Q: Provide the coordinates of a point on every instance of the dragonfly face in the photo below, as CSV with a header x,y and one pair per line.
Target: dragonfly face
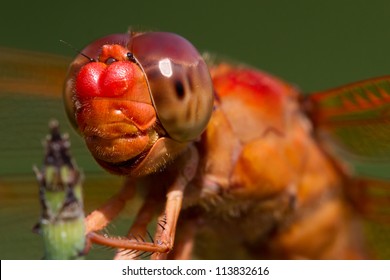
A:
x,y
138,99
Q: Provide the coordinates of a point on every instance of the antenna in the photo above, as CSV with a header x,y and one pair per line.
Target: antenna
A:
x,y
78,51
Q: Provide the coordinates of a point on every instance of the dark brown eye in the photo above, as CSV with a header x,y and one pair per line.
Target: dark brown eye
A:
x,y
179,80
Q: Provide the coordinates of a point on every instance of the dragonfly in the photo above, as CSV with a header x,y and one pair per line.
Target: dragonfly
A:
x,y
230,161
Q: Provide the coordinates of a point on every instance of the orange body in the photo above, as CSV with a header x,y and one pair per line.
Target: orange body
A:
x,y
264,188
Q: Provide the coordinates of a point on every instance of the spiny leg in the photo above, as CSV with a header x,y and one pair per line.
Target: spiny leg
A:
x,y
164,244
184,240
173,206
161,227
166,233
139,227
102,216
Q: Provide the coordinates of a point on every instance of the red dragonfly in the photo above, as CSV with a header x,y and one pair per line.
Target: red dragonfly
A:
x,y
232,162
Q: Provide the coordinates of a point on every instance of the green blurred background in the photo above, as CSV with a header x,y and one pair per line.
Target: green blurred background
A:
x,y
313,44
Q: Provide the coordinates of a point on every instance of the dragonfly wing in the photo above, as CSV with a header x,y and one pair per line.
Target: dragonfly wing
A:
x,y
371,197
32,73
30,95
354,120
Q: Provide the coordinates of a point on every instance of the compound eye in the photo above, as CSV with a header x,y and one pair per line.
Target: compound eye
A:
x,y
179,81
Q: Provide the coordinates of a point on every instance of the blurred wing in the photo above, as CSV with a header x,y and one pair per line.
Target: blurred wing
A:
x,y
355,118
371,197
32,73
353,122
30,95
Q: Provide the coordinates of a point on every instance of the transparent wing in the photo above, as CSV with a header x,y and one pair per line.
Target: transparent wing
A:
x,y
32,73
356,117
30,95
371,197
353,123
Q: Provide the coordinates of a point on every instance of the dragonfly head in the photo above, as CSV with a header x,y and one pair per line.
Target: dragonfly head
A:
x,y
139,100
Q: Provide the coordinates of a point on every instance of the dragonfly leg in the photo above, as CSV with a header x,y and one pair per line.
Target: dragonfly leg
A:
x,y
161,227
184,240
102,216
165,240
165,234
139,227
170,217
